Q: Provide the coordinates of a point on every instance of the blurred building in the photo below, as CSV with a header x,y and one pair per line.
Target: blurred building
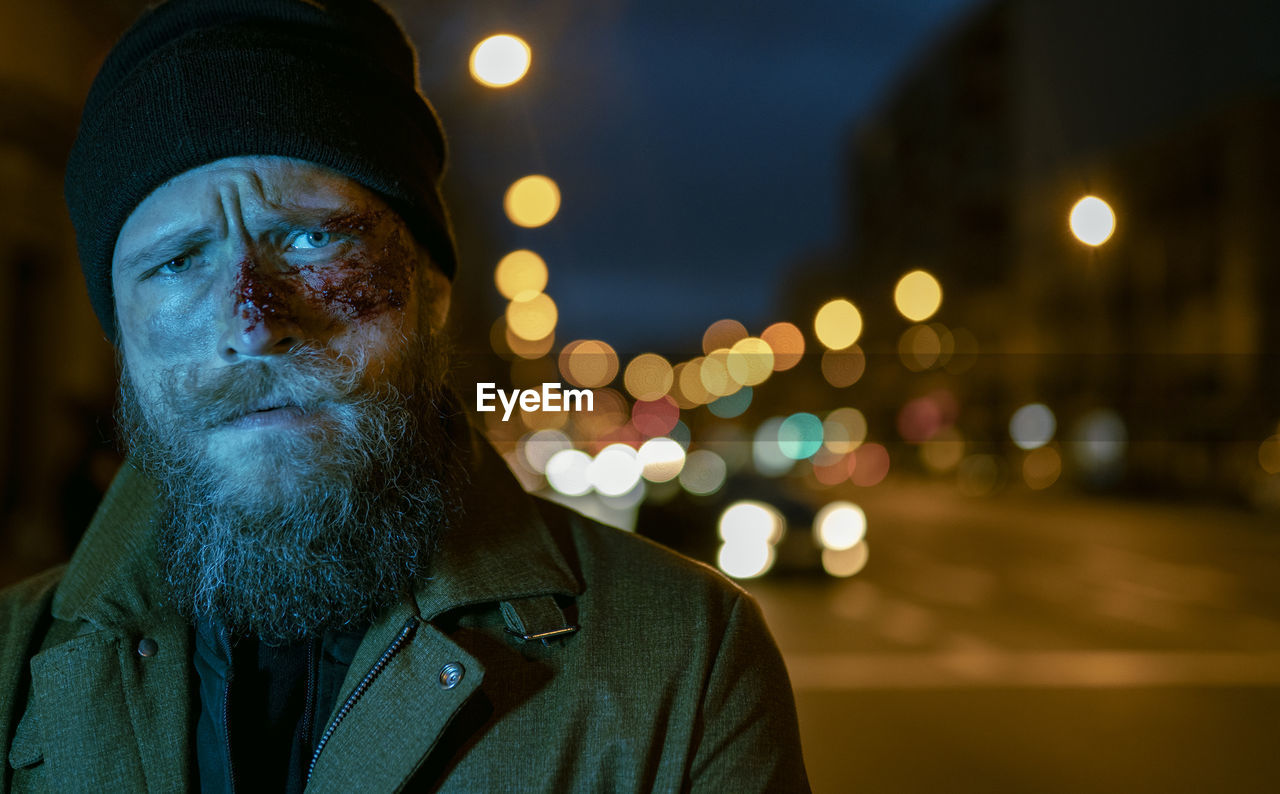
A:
x,y
56,369
1169,112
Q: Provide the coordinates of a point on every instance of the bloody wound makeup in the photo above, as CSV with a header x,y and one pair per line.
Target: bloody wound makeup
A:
x,y
356,284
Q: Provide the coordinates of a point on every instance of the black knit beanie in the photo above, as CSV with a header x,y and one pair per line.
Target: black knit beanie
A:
x,y
333,82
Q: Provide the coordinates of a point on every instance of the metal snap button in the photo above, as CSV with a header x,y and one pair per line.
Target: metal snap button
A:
x,y
147,647
451,675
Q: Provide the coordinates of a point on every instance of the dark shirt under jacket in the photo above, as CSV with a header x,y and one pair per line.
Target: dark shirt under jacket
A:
x,y
277,700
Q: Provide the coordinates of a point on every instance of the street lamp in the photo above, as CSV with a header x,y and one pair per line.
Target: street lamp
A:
x,y
1092,221
500,61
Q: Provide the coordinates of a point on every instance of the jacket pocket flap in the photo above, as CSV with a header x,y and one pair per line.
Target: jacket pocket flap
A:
x,y
28,746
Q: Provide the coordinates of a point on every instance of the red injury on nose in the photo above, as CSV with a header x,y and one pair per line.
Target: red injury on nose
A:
x,y
260,297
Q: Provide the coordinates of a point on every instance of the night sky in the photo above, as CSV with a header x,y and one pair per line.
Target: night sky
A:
x,y
699,147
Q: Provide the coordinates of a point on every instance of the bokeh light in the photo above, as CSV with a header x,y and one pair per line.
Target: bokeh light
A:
x,y
520,272
722,333
688,378
648,377
750,361
655,417
870,465
787,343
532,317
1092,221
714,374
661,459
1041,468
800,436
843,368
1099,440
920,347
944,451
920,420
844,430
918,296
733,405
610,412
536,449
847,562
1032,426
566,472
501,60
839,526
615,470
766,454
588,363
749,521
745,560
532,201
838,324
528,348
703,473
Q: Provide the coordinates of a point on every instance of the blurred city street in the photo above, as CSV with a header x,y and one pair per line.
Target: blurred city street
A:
x,y
1041,643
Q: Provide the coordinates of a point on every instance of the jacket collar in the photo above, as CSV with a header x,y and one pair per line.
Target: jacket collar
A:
x,y
494,547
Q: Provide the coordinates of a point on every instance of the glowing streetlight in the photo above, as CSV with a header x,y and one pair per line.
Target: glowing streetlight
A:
x,y
532,201
500,61
1092,221
918,295
838,324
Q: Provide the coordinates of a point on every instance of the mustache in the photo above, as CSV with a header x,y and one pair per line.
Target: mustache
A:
x,y
307,378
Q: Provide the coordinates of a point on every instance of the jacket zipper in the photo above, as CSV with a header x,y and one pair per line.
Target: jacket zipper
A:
x,y
226,709
341,713
309,712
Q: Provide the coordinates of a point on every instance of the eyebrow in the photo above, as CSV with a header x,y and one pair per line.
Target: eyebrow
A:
x,y
167,246
342,218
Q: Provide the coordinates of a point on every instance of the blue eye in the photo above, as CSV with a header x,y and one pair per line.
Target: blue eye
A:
x,y
176,265
311,240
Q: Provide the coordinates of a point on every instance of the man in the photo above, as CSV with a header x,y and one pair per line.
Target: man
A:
x,y
310,573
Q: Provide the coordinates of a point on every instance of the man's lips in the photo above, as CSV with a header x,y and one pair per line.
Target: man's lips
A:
x,y
277,416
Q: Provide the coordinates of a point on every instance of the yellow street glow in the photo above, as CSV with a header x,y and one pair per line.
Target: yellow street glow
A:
x,y
648,376
589,363
918,295
838,324
750,361
532,201
1092,221
520,272
500,61
534,318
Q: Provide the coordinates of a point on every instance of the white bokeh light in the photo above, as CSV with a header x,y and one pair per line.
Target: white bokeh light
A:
x,y
615,470
567,472
840,526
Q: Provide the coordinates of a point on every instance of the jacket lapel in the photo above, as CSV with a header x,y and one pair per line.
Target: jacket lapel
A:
x,y
107,713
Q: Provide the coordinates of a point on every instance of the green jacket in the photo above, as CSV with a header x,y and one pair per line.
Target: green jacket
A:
x,y
671,681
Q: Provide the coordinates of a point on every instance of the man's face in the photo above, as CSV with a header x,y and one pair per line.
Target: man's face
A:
x,y
249,259
282,373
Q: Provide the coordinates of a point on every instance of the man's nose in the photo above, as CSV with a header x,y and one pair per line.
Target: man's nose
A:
x,y
261,313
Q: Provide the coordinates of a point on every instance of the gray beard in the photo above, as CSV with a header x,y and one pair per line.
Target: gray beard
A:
x,y
301,530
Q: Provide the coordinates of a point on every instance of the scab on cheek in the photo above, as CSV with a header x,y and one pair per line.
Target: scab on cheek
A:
x,y
356,286
359,286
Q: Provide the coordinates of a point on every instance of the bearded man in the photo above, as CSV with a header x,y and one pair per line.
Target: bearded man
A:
x,y
310,573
